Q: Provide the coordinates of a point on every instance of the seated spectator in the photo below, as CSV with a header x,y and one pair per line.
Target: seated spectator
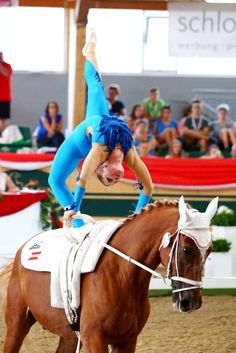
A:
x,y
235,128
141,135
49,132
152,106
223,133
233,151
135,116
196,129
181,122
165,128
213,153
175,149
6,183
145,150
116,107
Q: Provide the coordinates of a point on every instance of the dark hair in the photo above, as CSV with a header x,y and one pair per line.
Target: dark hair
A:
x,y
132,115
196,101
152,90
166,107
186,110
47,106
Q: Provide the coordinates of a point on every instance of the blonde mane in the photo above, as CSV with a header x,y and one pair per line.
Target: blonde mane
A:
x,y
150,206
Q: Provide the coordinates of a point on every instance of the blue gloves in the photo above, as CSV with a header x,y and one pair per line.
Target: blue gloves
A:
x,y
143,201
78,197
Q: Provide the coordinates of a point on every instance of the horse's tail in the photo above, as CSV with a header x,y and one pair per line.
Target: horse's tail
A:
x,y
5,274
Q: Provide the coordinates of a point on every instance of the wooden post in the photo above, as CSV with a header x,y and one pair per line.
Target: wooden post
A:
x,y
80,87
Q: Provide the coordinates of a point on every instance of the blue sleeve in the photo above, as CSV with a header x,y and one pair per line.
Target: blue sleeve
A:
x,y
142,202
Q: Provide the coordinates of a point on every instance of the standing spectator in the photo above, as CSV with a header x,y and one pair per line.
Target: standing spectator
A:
x,y
165,128
5,92
116,107
223,133
175,149
196,129
233,151
135,116
50,126
152,106
142,135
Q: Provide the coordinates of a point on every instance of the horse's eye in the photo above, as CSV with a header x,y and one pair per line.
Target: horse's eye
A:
x,y
187,250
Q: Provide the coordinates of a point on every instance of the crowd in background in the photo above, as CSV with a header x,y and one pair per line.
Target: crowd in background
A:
x,y
156,132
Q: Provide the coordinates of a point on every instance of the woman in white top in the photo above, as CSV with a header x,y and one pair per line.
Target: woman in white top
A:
x,y
6,183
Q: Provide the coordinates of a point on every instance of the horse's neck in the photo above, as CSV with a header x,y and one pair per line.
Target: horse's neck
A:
x,y
141,239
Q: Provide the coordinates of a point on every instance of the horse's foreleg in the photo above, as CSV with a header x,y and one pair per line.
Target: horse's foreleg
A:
x,y
94,342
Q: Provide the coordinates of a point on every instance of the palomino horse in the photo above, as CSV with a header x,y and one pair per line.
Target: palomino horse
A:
x,y
115,305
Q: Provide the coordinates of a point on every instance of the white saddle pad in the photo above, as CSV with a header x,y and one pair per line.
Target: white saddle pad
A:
x,y
66,258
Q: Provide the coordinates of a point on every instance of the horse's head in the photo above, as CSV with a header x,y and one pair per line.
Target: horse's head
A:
x,y
185,252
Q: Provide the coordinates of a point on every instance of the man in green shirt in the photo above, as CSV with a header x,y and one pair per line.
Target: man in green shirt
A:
x,y
152,106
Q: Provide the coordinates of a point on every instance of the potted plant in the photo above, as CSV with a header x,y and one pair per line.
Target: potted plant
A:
x,y
224,227
220,262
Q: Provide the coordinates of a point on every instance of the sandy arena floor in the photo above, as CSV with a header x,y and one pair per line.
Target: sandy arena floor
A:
x,y
212,329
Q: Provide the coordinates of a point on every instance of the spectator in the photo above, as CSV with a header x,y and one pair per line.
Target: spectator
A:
x,y
181,122
6,183
165,128
196,129
223,132
142,135
116,107
175,149
233,151
152,106
5,92
136,115
145,150
50,126
213,153
235,128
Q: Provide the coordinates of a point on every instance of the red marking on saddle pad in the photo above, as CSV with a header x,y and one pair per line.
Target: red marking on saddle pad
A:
x,y
34,257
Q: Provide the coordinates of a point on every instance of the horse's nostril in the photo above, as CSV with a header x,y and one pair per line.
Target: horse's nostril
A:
x,y
185,305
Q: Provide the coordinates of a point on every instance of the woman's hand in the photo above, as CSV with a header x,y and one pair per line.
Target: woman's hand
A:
x,y
68,217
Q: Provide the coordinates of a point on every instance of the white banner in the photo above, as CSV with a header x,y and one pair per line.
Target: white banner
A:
x,y
202,30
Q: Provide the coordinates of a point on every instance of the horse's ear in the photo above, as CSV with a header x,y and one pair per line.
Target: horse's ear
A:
x,y
212,208
182,213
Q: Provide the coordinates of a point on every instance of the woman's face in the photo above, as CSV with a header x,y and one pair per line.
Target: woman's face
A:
x,y
109,173
138,112
142,127
52,109
222,114
176,148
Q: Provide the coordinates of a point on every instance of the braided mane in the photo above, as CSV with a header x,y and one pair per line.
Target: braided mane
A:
x,y
150,206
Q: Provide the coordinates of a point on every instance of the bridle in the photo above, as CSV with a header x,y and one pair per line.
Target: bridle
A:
x,y
174,253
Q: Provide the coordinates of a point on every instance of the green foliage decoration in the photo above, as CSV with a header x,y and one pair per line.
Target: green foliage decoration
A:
x,y
221,245
224,219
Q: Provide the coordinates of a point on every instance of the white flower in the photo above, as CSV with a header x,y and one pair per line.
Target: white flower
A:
x,y
224,209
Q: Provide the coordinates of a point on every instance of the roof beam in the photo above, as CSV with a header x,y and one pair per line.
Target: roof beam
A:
x,y
68,4
129,4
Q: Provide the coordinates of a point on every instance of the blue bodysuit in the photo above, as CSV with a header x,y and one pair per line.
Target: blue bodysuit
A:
x,y
78,144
